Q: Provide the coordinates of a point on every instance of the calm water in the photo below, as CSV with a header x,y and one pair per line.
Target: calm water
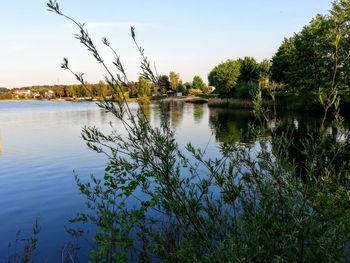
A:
x,y
40,147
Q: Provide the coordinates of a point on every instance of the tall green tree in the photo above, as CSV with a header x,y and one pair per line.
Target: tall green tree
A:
x,y
224,77
164,83
175,80
341,16
249,69
143,87
283,61
199,84
306,61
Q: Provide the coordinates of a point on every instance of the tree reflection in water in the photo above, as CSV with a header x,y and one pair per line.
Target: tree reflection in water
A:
x,y
198,110
303,131
229,125
175,110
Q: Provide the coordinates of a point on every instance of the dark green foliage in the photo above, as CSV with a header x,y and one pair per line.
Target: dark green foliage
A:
x,y
303,62
306,61
182,88
265,69
199,84
239,78
250,70
224,77
246,89
283,60
164,83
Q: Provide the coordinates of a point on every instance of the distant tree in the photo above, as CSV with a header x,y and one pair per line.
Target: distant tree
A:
x,y
199,84
89,90
132,89
154,88
143,87
182,88
6,94
95,90
41,90
224,77
164,83
102,89
72,91
174,80
81,91
59,91
4,90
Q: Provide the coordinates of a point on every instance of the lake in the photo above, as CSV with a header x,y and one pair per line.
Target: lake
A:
x,y
41,148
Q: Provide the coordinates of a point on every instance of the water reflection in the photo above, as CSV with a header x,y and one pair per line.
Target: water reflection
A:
x,y
45,148
229,125
146,110
198,110
300,131
175,111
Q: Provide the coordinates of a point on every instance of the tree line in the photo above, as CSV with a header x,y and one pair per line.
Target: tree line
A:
x,y
303,67
140,88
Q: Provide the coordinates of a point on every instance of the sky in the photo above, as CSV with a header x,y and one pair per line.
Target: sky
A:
x,y
186,36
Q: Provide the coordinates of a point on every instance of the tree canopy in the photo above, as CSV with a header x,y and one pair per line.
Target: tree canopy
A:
x,y
199,84
238,77
224,76
305,62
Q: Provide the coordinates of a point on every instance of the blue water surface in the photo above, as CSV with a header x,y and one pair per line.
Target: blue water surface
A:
x,y
40,150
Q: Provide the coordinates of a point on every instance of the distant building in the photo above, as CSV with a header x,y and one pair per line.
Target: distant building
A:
x,y
23,93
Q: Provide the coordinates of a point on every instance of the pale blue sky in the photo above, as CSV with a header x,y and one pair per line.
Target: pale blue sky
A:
x,y
186,36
